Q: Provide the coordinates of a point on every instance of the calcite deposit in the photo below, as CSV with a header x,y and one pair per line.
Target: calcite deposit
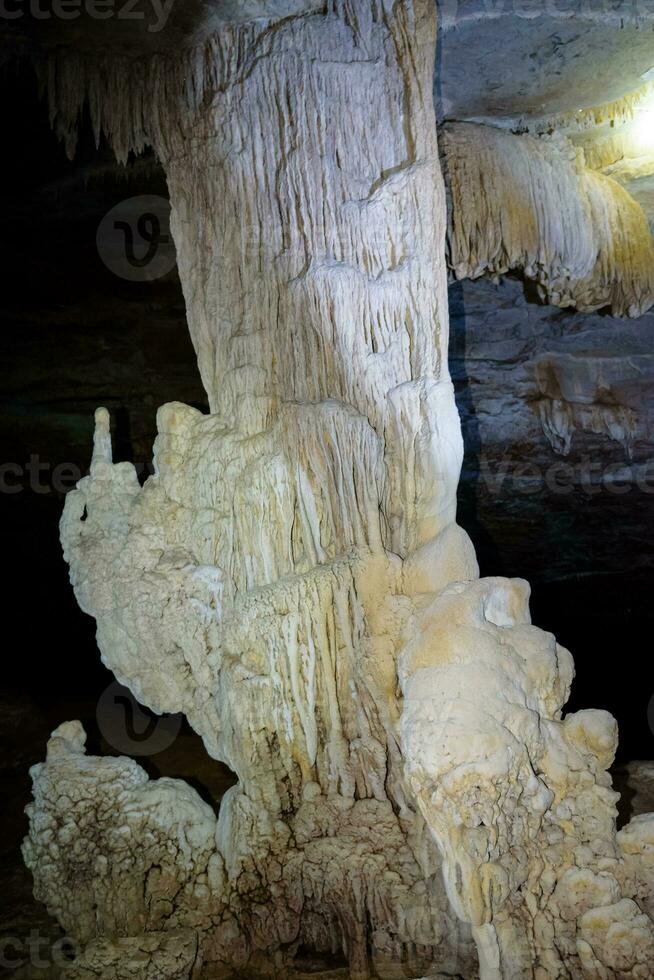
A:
x,y
292,576
531,204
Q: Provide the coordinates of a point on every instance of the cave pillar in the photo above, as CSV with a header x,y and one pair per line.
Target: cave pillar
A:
x,y
309,219
261,581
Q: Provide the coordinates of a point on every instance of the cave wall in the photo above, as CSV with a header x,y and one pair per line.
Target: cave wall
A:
x,y
558,476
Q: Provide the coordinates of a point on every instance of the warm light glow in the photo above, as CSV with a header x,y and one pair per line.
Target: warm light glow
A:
x,y
643,133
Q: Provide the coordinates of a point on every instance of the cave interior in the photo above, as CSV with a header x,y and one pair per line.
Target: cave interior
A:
x,y
554,384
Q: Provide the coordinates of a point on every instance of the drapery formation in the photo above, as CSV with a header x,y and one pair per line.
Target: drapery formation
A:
x,y
528,204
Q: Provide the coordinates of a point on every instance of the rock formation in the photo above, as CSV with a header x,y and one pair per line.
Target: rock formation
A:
x,y
292,577
528,204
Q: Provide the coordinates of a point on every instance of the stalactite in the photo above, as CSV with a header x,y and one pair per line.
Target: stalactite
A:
x,y
520,203
615,113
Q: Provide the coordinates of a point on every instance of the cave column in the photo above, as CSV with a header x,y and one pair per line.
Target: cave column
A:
x,y
261,580
309,219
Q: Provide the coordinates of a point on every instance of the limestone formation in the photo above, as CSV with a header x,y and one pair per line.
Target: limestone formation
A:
x,y
528,204
618,116
173,955
292,577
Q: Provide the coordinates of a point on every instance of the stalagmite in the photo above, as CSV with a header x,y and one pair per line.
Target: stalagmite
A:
x,y
292,577
521,203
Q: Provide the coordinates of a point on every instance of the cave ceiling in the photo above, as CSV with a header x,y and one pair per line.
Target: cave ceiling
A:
x,y
505,60
563,54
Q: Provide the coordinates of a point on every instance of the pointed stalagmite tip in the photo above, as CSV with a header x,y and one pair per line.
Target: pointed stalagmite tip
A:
x,y
102,452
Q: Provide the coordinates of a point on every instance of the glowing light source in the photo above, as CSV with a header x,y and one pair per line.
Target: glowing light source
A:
x,y
643,130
